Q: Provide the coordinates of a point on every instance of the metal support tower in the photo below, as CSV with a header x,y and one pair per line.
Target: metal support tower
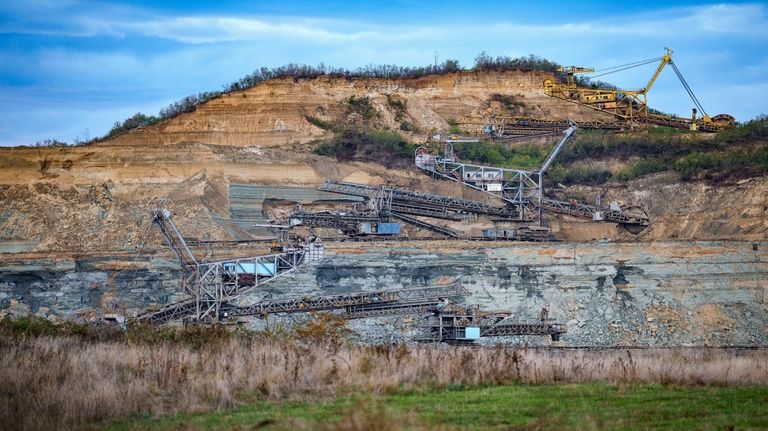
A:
x,y
518,188
213,284
523,190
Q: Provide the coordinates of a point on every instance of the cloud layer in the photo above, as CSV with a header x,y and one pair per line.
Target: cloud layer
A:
x,y
73,57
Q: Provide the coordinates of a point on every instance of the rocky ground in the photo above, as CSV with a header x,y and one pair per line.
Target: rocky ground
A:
x,y
72,219
648,294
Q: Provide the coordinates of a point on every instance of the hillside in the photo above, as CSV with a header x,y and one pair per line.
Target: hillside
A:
x,y
220,161
76,239
275,113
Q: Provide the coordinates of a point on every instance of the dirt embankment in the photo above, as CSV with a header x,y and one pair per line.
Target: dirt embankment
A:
x,y
274,113
96,197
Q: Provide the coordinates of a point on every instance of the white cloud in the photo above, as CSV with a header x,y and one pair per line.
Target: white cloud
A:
x,y
214,29
720,49
110,20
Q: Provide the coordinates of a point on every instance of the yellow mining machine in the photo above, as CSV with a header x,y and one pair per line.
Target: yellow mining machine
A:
x,y
632,105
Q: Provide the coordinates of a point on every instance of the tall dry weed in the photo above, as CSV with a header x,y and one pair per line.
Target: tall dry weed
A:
x,y
63,382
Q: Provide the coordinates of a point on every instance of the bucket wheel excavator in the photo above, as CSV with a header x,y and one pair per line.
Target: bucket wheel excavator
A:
x,y
523,191
632,105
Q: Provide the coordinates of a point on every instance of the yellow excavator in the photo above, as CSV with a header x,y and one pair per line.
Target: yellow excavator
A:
x,y
632,105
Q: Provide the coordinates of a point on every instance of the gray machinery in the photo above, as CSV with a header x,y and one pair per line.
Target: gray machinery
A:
x,y
462,325
210,285
387,203
213,287
523,190
359,305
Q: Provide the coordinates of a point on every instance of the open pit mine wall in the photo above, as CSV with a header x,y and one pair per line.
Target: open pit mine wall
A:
x,y
657,294
274,113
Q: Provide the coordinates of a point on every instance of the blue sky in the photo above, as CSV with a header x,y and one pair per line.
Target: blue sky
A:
x,y
69,69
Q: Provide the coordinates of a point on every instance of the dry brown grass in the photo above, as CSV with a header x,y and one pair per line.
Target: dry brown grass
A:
x,y
62,382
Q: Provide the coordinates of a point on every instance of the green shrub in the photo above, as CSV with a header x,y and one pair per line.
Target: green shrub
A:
x,y
380,146
137,120
489,153
323,124
398,105
577,175
694,164
362,105
34,326
509,102
29,326
592,145
753,130
50,143
483,61
643,167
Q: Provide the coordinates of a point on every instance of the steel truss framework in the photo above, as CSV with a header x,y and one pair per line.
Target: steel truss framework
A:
x,y
452,325
345,222
425,200
213,287
356,305
386,203
213,284
522,190
512,128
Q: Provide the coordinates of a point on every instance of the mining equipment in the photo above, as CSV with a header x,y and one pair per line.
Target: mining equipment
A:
x,y
464,325
213,288
631,106
210,285
523,191
510,129
386,204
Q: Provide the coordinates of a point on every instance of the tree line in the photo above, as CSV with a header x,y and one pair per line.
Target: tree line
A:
x,y
483,62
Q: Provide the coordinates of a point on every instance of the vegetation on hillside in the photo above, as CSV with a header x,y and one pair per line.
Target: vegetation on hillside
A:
x,y
303,71
137,120
65,376
359,138
734,153
379,146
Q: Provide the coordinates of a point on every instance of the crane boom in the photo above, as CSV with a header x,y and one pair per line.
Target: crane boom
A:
x,y
161,217
666,59
632,105
551,158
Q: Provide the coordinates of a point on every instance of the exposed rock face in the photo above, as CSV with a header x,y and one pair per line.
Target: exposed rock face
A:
x,y
669,293
273,113
72,218
96,198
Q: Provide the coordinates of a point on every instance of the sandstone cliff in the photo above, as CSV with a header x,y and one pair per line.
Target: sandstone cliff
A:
x,y
95,197
71,219
273,113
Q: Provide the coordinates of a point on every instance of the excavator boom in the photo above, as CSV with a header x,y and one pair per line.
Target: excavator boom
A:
x,y
666,59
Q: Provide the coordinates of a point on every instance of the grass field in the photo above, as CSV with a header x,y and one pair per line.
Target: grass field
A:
x,y
572,406
72,377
